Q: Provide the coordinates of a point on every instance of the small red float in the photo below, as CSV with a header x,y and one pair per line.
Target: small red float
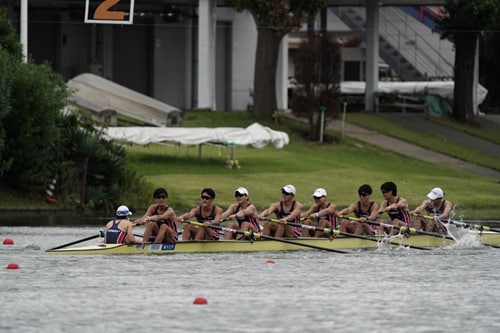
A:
x,y
200,300
12,265
8,241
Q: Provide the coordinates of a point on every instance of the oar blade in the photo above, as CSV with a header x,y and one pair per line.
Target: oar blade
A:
x,y
100,234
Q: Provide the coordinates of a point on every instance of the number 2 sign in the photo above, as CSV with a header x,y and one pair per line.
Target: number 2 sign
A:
x,y
109,11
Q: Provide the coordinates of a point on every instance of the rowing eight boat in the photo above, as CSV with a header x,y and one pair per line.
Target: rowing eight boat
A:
x,y
340,242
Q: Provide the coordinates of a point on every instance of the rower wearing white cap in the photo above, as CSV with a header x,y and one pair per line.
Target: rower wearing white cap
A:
x,y
286,210
323,212
436,206
245,214
119,230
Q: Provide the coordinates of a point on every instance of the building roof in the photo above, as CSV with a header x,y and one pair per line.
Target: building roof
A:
x,y
99,96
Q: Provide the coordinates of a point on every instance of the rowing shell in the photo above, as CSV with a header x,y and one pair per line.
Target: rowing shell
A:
x,y
340,242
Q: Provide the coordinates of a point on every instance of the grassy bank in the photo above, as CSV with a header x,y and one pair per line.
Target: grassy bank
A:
x,y
340,168
435,142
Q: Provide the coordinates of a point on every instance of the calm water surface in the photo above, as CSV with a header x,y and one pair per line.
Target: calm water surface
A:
x,y
398,290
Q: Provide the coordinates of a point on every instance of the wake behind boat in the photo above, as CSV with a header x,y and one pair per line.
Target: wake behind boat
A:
x,y
296,244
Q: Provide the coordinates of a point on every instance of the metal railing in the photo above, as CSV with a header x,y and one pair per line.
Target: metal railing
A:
x,y
412,45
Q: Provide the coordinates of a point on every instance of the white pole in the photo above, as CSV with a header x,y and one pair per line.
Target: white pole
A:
x,y
24,29
475,82
322,123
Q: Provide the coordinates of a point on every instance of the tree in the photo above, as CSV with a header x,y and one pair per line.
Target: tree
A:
x,y
274,19
317,71
489,69
464,20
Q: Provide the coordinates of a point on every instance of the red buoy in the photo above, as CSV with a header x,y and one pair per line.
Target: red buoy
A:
x,y
8,241
270,261
200,300
12,265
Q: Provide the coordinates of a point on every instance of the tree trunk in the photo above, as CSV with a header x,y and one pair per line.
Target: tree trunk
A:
x,y
266,60
85,168
465,52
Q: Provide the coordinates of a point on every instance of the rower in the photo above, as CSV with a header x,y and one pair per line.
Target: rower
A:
x,y
364,209
245,214
396,207
322,212
437,208
286,210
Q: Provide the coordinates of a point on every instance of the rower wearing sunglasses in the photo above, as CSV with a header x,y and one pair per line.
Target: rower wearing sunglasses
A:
x,y
245,214
206,213
364,209
286,210
321,215
396,207
161,220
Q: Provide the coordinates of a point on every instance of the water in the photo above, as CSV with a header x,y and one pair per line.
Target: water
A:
x,y
398,290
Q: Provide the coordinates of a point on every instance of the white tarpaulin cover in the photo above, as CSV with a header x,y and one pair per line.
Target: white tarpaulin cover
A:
x,y
439,88
255,135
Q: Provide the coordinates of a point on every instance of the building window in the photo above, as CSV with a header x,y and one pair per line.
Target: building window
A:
x,y
352,71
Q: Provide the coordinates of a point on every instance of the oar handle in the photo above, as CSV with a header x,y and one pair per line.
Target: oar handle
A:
x,y
307,226
250,233
427,217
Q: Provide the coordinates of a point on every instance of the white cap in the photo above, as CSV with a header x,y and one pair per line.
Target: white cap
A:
x,y
289,189
435,193
319,192
242,190
123,211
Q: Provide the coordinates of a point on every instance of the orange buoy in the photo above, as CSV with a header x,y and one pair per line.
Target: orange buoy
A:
x,y
200,300
8,241
270,261
12,265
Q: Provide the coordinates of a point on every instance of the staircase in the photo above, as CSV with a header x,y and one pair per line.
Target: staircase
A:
x,y
406,45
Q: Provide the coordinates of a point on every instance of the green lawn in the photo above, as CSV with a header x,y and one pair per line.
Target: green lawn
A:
x,y
435,142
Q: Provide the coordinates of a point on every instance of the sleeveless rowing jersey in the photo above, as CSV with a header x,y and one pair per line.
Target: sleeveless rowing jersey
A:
x,y
433,211
400,214
252,220
171,224
297,231
329,217
115,235
365,213
209,218
436,211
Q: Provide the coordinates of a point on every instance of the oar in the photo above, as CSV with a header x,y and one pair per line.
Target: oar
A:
x,y
252,234
402,229
479,227
100,234
331,231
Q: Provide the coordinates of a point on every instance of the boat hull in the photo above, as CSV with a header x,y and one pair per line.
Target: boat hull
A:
x,y
339,243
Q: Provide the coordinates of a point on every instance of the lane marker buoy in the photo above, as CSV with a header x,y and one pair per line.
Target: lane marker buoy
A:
x,y
8,241
200,300
12,265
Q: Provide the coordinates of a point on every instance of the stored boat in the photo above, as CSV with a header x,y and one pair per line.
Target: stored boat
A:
x,y
338,243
